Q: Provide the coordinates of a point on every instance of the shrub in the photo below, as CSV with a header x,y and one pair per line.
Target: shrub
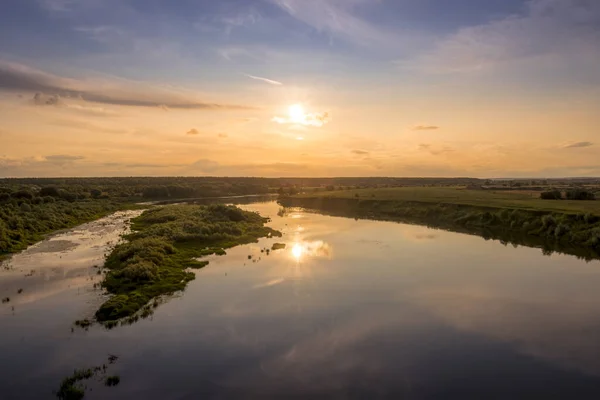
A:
x,y
551,195
580,194
548,221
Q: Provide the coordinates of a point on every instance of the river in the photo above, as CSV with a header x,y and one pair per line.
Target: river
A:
x,y
349,309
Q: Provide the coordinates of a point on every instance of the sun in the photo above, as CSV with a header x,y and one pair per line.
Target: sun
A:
x,y
296,112
297,251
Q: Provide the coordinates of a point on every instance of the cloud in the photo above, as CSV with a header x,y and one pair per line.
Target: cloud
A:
x,y
205,165
335,17
558,29
360,152
151,165
62,159
84,125
193,131
425,128
240,20
578,145
223,135
233,52
435,150
58,5
41,99
50,89
314,119
269,81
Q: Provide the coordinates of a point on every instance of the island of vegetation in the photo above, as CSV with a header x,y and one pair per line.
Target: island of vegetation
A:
x,y
166,242
569,223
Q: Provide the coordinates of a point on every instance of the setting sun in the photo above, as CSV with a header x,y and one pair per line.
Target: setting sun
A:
x,y
296,112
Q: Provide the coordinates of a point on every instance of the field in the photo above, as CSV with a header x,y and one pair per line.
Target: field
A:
x,y
522,200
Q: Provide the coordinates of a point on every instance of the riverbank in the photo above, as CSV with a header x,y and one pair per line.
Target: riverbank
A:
x,y
25,224
166,242
566,226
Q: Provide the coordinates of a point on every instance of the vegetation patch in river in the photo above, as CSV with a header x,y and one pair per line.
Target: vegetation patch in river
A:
x,y
166,242
72,387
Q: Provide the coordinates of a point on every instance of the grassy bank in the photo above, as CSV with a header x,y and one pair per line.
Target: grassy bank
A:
x,y
571,227
165,243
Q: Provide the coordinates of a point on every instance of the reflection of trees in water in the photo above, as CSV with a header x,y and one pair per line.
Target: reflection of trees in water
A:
x,y
434,220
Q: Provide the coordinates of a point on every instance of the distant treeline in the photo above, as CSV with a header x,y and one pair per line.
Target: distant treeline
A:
x,y
160,188
571,194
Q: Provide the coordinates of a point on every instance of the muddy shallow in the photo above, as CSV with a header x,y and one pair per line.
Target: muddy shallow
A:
x,y
349,309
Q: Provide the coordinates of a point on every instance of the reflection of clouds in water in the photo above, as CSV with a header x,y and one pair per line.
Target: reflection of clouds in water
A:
x,y
563,332
270,283
426,236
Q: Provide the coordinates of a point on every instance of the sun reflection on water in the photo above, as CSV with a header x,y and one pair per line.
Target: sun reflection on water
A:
x,y
297,251
316,249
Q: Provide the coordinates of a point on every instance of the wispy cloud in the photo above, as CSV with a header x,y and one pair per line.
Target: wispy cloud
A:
x,y
360,152
335,17
435,150
58,5
578,145
560,29
20,78
425,128
62,159
193,131
269,81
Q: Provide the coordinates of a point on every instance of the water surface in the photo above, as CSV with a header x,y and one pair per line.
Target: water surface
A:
x,y
350,309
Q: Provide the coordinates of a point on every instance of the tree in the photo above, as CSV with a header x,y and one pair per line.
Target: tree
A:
x,y
551,195
49,191
580,194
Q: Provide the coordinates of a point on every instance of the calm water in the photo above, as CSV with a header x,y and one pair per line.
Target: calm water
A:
x,y
350,309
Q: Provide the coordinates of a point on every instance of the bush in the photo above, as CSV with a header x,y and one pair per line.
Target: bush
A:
x,y
551,195
548,221
580,194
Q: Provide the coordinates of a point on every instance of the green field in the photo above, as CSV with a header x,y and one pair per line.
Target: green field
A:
x,y
461,196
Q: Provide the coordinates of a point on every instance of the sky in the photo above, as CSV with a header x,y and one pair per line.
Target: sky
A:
x,y
277,88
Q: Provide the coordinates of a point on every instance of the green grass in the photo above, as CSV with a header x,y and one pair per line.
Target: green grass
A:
x,y
166,242
462,196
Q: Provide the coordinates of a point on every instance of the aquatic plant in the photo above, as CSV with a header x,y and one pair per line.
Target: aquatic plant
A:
x,y
68,389
84,323
112,380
